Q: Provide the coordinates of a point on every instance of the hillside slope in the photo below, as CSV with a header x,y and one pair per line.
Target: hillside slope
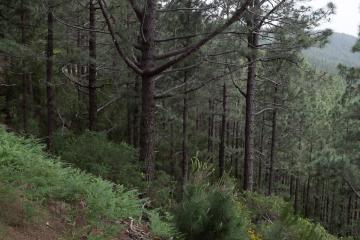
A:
x,y
338,50
43,199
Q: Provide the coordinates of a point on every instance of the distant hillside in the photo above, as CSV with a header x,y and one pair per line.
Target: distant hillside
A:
x,y
338,50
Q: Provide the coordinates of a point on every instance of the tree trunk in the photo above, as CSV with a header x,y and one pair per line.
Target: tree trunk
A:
x,y
253,40
349,210
24,75
136,112
147,128
261,152
197,119
316,202
92,68
237,146
307,199
233,139
296,195
211,126
332,214
8,98
172,151
185,162
129,119
291,188
49,82
222,135
273,143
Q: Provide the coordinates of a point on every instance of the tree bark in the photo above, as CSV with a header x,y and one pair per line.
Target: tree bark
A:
x,y
147,128
237,146
211,127
8,98
49,79
222,134
349,210
136,112
307,199
296,196
185,161
253,40
129,119
24,74
261,152
172,151
273,143
92,68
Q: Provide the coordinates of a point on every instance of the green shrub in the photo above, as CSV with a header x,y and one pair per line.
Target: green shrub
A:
x,y
94,153
163,189
264,207
209,211
275,220
162,226
295,228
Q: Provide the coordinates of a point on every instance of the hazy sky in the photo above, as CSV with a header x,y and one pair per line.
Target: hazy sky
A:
x,y
347,17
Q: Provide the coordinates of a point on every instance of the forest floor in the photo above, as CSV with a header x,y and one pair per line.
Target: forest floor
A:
x,y
53,222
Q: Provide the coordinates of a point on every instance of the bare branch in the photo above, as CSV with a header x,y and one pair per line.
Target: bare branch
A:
x,y
196,46
139,13
128,62
352,188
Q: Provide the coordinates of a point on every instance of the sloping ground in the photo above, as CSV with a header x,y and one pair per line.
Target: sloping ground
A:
x,y
42,199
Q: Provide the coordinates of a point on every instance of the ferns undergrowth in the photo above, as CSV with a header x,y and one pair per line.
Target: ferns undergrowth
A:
x,y
209,210
25,167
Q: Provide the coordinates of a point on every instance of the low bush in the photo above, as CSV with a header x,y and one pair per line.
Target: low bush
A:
x,y
209,211
95,154
274,220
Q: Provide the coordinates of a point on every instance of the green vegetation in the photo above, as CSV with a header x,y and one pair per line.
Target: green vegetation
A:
x,y
95,154
26,168
30,180
177,120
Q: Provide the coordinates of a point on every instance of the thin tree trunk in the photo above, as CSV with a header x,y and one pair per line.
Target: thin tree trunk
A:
x,y
129,116
261,152
349,210
8,98
273,143
24,75
197,119
211,126
253,40
307,198
233,138
185,163
316,203
237,146
172,151
49,82
303,196
296,195
332,215
222,134
136,112
227,133
92,68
